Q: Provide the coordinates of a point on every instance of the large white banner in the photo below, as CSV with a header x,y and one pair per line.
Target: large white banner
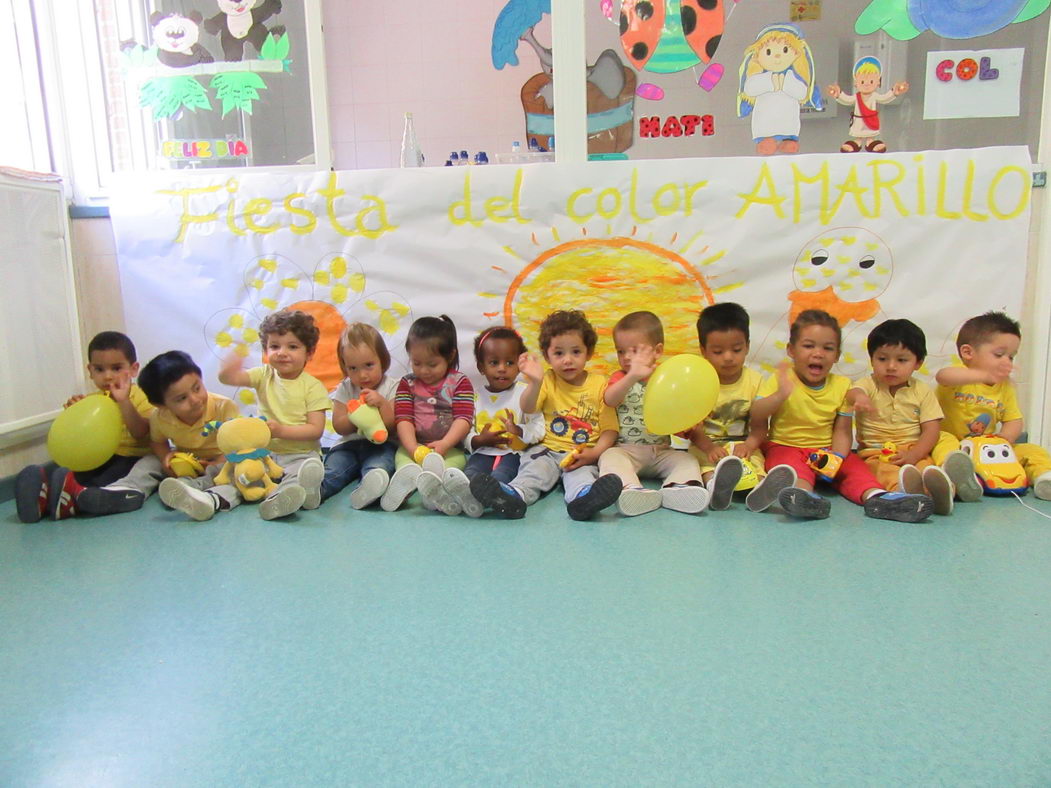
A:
x,y
935,237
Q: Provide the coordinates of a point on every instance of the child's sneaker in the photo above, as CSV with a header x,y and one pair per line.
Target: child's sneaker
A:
x,y
432,492
910,480
960,470
633,501
283,502
372,485
939,488
804,503
196,504
62,492
31,493
459,487
724,479
1042,486
603,492
402,485
435,463
311,474
686,498
768,491
499,497
903,507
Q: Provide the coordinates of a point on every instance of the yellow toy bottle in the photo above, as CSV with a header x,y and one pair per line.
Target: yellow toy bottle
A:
x,y
367,419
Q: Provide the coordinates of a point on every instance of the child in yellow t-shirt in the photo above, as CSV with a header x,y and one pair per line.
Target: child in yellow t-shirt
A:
x,y
808,414
579,427
112,365
294,403
979,398
897,418
723,334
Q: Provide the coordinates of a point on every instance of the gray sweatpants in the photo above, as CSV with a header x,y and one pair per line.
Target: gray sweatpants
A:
x,y
291,464
540,471
148,473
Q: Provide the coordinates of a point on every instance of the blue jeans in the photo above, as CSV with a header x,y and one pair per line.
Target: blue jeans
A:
x,y
503,471
346,461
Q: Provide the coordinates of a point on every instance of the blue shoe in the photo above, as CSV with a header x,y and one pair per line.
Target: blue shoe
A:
x,y
499,497
803,503
903,507
593,499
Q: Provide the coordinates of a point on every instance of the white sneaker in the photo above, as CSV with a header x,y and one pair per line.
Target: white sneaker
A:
x,y
196,504
724,479
459,487
372,485
910,480
283,502
939,487
765,494
1042,486
435,463
432,491
688,498
311,474
402,485
638,500
960,469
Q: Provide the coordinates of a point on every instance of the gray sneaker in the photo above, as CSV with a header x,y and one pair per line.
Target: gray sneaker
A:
x,y
435,463
283,502
960,470
634,501
765,494
459,487
724,479
311,474
686,498
433,492
196,504
402,485
373,484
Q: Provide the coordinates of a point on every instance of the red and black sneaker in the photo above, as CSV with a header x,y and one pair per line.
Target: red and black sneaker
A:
x,y
31,493
62,494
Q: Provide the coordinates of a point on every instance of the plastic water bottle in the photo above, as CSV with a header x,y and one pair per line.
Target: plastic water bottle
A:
x,y
481,158
411,155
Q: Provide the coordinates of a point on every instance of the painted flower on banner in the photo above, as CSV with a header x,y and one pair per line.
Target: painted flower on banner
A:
x,y
334,294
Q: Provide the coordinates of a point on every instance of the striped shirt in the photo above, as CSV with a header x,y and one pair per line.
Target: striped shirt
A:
x,y
433,409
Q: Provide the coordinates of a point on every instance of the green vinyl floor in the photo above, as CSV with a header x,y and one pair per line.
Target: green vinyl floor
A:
x,y
366,648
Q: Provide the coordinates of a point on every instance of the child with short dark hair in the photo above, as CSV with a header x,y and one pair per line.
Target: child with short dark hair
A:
x,y
639,340
897,418
364,360
501,431
293,402
433,412
978,398
579,427
723,335
809,416
47,490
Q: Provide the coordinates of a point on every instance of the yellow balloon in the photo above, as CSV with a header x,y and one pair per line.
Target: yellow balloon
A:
x,y
86,433
680,393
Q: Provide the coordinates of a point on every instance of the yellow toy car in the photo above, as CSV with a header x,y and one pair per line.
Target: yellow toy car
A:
x,y
995,465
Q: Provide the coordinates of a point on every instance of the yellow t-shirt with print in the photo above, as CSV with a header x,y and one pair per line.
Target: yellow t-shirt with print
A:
x,y
165,425
728,420
898,416
130,446
977,408
805,419
288,402
574,416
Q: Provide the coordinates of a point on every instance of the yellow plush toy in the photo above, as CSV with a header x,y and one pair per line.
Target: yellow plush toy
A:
x,y
249,466
367,419
185,463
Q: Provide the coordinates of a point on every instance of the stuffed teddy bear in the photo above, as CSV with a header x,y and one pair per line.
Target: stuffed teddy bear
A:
x,y
249,466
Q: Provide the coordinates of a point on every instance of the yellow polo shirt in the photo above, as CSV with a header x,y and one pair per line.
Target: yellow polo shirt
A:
x,y
898,416
165,425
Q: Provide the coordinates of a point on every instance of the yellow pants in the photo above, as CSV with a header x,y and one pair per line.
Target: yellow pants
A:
x,y
1034,459
886,473
756,459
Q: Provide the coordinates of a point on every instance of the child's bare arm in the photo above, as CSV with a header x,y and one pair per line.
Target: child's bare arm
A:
x,y
407,436
310,431
454,437
860,401
962,376
713,451
232,372
842,434
533,372
163,451
382,404
341,422
590,455
616,392
921,448
138,426
758,428
1011,430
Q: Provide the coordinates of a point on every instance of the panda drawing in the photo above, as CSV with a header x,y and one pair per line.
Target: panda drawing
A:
x,y
176,38
239,21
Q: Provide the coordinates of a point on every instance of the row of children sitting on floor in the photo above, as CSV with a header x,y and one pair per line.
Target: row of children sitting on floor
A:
x,y
568,424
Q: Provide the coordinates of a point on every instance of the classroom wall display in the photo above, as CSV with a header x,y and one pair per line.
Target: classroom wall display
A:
x,y
935,237
973,83
947,18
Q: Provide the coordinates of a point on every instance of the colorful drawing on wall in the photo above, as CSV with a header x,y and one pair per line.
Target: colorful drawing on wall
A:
x,y
864,115
777,79
804,10
973,83
610,84
238,23
906,19
668,36
167,75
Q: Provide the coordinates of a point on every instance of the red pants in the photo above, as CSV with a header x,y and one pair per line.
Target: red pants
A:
x,y
854,477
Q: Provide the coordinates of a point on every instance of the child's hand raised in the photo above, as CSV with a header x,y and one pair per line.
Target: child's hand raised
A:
x,y
785,379
530,367
120,389
643,362
74,398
